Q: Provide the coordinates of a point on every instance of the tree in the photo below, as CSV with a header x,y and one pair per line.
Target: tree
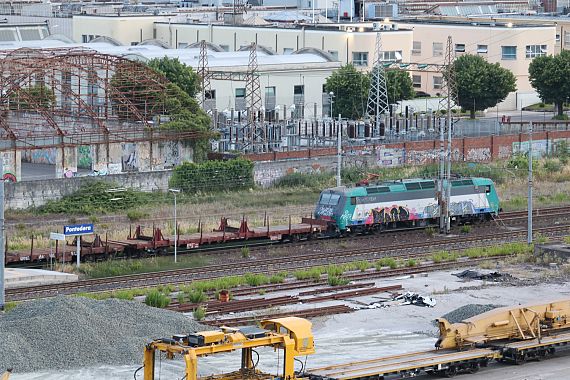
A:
x,y
350,87
549,77
399,85
28,98
178,73
480,84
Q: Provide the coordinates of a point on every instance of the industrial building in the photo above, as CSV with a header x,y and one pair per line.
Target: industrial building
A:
x,y
417,46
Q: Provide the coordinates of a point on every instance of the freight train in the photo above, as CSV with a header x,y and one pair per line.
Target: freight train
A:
x,y
402,203
339,211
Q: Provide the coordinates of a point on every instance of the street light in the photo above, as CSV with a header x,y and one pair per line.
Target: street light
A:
x,y
175,192
331,96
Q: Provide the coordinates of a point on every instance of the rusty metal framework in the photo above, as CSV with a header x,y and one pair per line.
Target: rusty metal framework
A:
x,y
77,96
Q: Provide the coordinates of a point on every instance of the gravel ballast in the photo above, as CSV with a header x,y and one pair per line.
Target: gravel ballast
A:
x,y
467,311
73,332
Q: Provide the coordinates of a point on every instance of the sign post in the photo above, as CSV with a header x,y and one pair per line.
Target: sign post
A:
x,y
78,230
54,236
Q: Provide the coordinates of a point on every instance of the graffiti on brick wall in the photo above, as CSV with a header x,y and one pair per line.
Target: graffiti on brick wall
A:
x,y
390,157
539,147
505,151
478,154
84,160
420,157
40,156
129,157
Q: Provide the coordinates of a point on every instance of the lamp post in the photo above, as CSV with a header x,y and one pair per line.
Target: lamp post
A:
x,y
175,192
331,97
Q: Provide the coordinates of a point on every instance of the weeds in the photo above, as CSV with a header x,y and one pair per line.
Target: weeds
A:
x,y
386,262
155,298
197,296
336,281
199,314
411,263
256,279
465,229
245,252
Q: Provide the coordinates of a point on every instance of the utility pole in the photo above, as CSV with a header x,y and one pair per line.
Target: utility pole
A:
x,y
449,89
338,151
204,74
378,94
529,228
2,246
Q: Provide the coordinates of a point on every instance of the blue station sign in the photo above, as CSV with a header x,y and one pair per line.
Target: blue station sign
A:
x,y
78,229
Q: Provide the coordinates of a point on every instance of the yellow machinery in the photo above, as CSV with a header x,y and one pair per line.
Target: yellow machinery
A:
x,y
292,335
506,323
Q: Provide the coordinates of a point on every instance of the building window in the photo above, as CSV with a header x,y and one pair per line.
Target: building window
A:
x,y
557,37
509,52
84,38
299,90
334,54
360,58
417,48
287,50
566,38
438,49
417,81
482,49
270,91
210,94
437,82
460,48
392,56
240,92
533,51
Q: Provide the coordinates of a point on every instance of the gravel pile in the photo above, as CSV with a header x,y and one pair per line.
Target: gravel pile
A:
x,y
71,332
468,311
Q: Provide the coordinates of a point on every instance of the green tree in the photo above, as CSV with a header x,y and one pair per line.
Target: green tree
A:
x,y
350,87
27,98
178,73
399,85
549,77
480,84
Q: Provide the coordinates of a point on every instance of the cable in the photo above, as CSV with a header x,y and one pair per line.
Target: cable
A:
x,y
257,362
302,366
136,371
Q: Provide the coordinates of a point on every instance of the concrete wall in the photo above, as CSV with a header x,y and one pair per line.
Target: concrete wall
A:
x,y
22,195
269,167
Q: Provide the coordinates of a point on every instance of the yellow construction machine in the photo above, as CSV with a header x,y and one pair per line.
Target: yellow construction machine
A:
x,y
292,335
6,374
512,323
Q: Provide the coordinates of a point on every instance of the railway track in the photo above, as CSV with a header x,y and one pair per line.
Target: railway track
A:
x,y
271,265
234,247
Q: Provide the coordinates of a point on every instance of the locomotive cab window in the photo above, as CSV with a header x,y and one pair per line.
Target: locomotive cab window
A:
x,y
487,189
353,200
329,199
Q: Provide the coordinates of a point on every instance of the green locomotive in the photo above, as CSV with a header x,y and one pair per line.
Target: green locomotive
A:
x,y
409,202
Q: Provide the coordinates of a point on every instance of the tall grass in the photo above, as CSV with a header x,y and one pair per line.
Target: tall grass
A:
x,y
112,268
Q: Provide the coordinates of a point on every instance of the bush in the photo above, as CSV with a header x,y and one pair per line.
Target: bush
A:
x,y
228,175
199,314
136,215
465,229
157,299
442,256
245,252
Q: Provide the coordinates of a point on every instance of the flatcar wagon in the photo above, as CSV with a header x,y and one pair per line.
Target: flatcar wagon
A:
x,y
409,202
